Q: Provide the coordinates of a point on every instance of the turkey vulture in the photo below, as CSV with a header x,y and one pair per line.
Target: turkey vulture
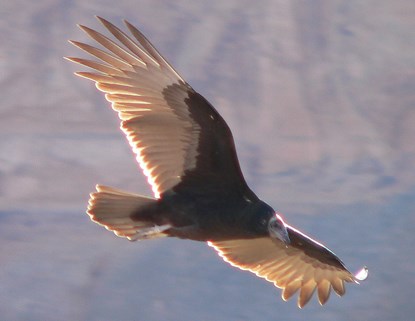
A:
x,y
187,152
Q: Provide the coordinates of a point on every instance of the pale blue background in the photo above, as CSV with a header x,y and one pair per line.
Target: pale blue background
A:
x,y
320,97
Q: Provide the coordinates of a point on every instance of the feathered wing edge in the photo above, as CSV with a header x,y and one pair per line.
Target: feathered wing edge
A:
x,y
133,75
287,267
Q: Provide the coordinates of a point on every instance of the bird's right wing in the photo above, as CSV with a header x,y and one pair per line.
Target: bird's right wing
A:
x,y
290,268
177,136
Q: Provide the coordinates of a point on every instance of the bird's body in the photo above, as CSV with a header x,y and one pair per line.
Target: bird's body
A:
x,y
208,220
187,152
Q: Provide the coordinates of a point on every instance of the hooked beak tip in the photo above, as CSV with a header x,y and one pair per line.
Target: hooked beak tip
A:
x,y
285,238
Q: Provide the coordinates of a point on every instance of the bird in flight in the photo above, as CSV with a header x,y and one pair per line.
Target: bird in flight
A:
x,y
186,150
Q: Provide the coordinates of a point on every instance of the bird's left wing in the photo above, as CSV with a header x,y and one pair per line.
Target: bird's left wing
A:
x,y
306,266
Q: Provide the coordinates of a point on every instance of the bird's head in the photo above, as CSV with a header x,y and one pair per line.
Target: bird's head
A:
x,y
278,229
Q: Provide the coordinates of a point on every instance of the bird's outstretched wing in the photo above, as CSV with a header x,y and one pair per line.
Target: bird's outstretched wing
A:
x,y
306,265
178,137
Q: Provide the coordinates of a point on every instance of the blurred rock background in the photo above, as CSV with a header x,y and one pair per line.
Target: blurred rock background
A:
x,y
320,98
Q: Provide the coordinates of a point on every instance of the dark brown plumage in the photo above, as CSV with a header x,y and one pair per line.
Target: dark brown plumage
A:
x,y
187,152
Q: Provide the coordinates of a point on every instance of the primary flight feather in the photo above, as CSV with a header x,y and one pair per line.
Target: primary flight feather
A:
x,y
187,152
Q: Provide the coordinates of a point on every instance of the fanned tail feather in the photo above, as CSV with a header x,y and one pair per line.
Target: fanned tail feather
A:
x,y
113,209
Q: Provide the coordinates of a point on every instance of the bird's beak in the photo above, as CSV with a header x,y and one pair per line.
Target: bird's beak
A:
x,y
283,235
278,229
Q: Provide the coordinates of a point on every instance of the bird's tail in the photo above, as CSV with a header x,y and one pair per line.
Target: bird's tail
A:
x,y
119,211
